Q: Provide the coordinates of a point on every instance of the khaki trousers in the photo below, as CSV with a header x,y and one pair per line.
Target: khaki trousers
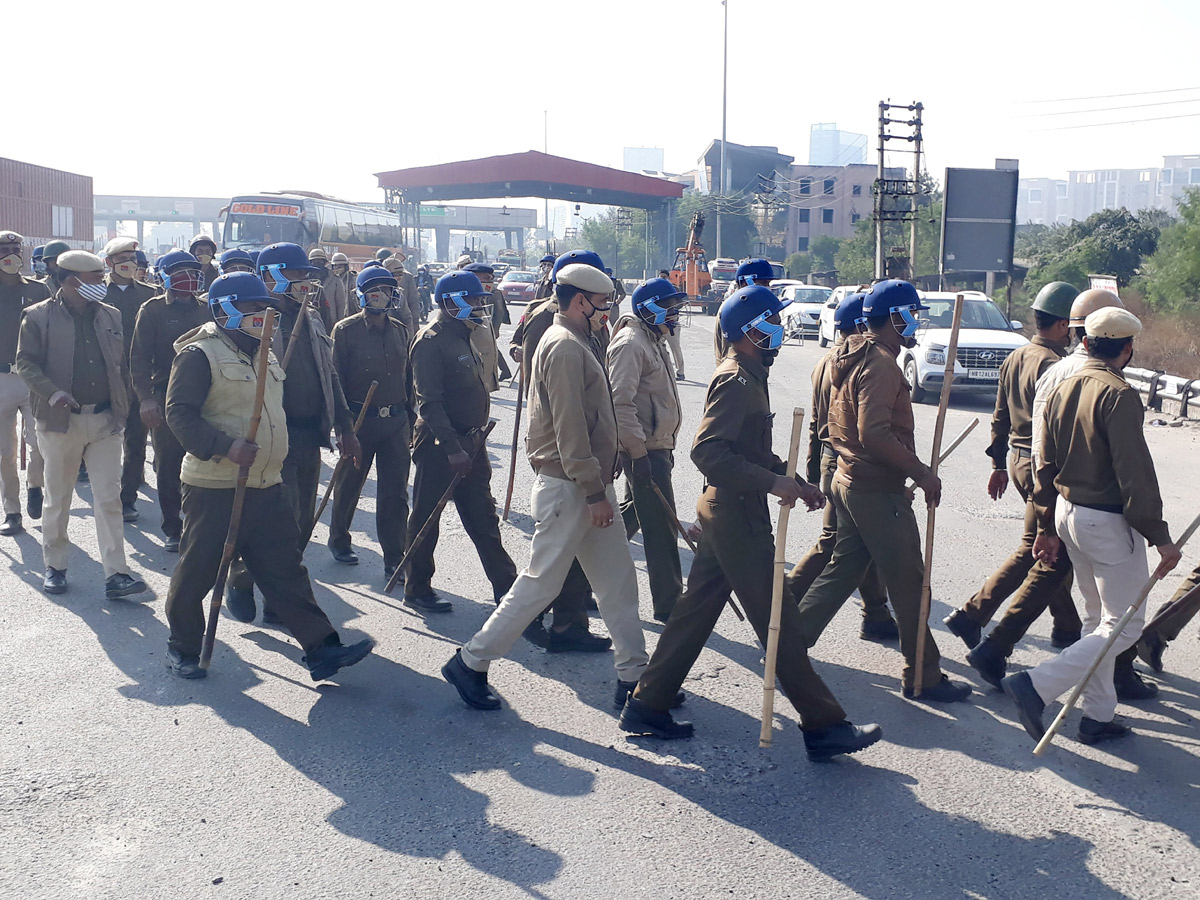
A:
x,y
875,526
14,398
1110,568
89,439
563,532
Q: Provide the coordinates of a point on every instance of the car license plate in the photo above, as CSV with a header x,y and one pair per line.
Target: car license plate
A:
x,y
984,374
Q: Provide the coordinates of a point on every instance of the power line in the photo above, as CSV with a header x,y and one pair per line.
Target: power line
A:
x,y
1083,112
1112,96
1125,122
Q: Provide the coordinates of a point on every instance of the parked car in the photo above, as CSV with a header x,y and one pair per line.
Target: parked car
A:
x,y
985,339
803,316
517,286
825,330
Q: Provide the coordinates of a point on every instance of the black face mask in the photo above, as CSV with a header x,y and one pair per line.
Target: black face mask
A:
x,y
768,358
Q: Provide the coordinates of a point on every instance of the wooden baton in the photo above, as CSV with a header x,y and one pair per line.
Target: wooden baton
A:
x,y
362,414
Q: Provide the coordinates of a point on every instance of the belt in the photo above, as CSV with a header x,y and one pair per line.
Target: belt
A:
x,y
1022,454
1115,508
94,407
382,412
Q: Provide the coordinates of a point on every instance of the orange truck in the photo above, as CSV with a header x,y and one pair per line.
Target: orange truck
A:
x,y
690,272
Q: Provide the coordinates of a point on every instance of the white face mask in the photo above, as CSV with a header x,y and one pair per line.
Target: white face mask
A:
x,y
92,293
11,264
204,258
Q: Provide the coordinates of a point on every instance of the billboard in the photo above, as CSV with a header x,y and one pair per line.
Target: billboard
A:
x,y
979,220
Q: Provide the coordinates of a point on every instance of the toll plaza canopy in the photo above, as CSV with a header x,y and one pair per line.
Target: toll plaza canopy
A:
x,y
531,174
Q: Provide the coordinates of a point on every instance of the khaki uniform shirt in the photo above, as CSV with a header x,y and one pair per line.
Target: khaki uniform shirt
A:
x,y
363,353
644,390
1094,454
448,383
1012,420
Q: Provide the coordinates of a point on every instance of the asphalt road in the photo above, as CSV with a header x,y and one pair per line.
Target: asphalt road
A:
x,y
118,780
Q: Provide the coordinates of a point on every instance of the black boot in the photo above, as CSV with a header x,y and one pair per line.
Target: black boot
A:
x,y
1150,650
942,691
843,737
1093,732
240,603
326,660
960,624
576,638
12,525
1030,705
638,718
472,686
33,503
625,690
879,629
1130,686
989,661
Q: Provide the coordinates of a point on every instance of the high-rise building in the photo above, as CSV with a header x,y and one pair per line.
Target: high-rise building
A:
x,y
829,147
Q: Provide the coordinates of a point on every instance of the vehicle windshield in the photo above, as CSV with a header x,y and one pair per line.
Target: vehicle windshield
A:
x,y
522,277
243,230
976,314
811,295
723,274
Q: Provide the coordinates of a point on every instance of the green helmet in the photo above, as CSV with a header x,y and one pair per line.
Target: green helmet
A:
x,y
381,255
55,249
1055,299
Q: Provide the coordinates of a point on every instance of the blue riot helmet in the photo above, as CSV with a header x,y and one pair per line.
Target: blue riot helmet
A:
x,y
236,261
377,289
754,271
657,302
894,296
180,271
571,257
454,292
849,313
238,301
283,265
745,313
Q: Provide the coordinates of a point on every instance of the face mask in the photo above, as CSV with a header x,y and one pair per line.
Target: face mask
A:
x,y
597,309
126,269
185,281
39,268
205,258
250,324
770,335
11,264
298,290
377,301
92,293
339,270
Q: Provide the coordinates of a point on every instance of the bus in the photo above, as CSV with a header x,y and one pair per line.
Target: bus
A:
x,y
253,221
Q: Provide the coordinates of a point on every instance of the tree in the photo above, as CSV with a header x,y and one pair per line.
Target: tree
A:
x,y
1173,271
1110,242
625,254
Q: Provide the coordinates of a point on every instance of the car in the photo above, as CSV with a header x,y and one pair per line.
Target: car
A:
x,y
518,286
985,339
807,301
499,269
825,330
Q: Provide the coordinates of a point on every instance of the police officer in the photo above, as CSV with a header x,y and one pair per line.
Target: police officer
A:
x,y
372,346
235,261
71,355
410,302
127,295
1097,499
733,451
312,399
50,254
204,249
646,403
160,323
871,430
1012,424
333,290
425,291
339,264
752,271
210,401
452,403
572,447
1166,625
36,263
484,339
877,622
142,270
544,286
16,293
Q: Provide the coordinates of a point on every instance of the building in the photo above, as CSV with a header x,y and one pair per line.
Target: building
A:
x,y
746,168
829,147
1046,201
46,204
1041,201
643,159
828,200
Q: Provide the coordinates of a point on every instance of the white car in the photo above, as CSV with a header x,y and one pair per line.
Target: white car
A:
x,y
807,301
825,330
985,339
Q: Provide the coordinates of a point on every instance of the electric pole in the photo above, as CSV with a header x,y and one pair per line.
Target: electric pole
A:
x,y
895,188
724,111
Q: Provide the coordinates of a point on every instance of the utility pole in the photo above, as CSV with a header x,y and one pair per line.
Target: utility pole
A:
x,y
912,240
724,112
895,188
546,150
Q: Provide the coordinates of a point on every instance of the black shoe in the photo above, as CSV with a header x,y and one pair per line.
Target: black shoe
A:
x,y
345,557
576,638
389,571
12,525
1093,732
1150,650
122,585
535,632
960,624
326,660
625,690
55,581
472,686
1061,639
944,691
430,603
1130,686
270,619
129,513
185,666
240,603
843,737
879,629
989,661
172,544
33,503
638,718
1030,705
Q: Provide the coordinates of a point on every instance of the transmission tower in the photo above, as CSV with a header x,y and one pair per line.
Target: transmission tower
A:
x,y
896,198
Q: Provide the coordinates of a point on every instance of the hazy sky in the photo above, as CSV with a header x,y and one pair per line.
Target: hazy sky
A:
x,y
217,98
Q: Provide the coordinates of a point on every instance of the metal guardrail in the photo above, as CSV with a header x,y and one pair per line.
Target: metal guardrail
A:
x,y
1159,386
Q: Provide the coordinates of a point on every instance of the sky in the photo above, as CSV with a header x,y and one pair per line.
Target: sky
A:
x,y
224,98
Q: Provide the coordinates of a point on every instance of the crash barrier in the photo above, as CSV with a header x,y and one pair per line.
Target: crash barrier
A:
x,y
1165,393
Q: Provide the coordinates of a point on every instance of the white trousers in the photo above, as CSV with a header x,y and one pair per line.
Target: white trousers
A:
x,y
90,439
676,351
14,398
1110,568
564,532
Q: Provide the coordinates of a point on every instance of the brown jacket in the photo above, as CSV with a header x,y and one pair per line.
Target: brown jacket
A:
x,y
14,300
46,359
818,422
128,302
448,382
1094,454
1012,420
159,325
644,394
871,418
363,353
572,424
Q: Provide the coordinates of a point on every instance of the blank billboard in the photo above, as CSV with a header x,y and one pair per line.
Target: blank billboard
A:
x,y
979,220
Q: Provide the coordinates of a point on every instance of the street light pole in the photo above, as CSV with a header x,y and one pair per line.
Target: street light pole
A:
x,y
724,111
